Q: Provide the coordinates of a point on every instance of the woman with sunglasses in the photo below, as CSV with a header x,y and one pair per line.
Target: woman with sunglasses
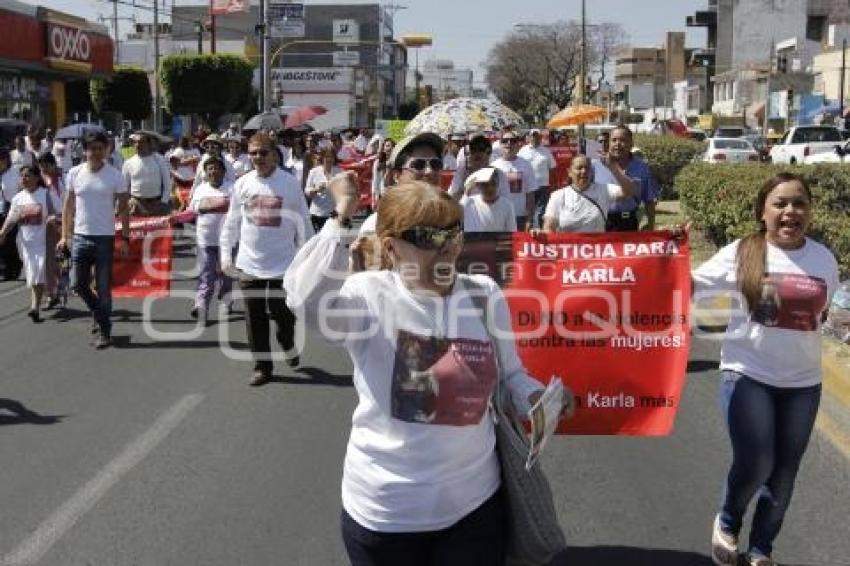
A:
x,y
32,208
421,478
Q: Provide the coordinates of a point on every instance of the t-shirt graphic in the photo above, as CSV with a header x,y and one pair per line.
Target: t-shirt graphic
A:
x,y
515,181
31,214
442,381
791,301
214,205
264,210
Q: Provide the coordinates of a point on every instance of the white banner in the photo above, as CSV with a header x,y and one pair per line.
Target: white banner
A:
x,y
346,31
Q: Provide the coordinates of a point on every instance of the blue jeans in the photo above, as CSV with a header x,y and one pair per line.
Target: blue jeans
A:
x,y
769,428
476,540
97,252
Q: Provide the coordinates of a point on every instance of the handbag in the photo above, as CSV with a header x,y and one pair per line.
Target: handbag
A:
x,y
535,537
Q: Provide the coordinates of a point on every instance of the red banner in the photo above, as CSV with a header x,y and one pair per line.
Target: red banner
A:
x,y
223,7
608,313
146,270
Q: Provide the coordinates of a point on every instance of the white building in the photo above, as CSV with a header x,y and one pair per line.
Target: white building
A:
x,y
445,80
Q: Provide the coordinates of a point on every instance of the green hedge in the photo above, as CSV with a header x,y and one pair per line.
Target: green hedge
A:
x,y
720,200
209,84
667,155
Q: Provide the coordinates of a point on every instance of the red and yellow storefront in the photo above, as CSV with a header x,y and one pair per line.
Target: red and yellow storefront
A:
x,y
41,50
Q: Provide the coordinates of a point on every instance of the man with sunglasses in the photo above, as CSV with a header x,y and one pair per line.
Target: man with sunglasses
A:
x,y
268,218
521,180
478,153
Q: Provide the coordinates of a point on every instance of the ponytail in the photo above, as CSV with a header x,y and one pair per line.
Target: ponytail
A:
x,y
751,259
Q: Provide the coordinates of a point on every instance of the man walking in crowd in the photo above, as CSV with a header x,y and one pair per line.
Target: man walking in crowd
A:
x,y
623,215
35,144
521,180
147,178
213,147
10,184
21,155
88,228
542,163
268,217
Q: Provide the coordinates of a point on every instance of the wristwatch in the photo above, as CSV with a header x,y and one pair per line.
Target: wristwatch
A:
x,y
344,222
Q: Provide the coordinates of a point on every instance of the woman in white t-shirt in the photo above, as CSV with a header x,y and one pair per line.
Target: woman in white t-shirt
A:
x,y
236,156
583,205
321,201
421,474
770,361
484,209
32,208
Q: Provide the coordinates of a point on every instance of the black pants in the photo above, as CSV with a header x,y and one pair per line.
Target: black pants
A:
x,y
9,254
476,540
264,300
622,222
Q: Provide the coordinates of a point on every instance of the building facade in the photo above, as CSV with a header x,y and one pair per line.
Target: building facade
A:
x,y
41,51
444,79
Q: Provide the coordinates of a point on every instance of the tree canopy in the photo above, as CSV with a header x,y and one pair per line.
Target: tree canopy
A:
x,y
535,69
209,85
127,92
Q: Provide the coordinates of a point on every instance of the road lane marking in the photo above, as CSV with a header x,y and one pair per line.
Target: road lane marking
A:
x,y
13,291
48,533
833,432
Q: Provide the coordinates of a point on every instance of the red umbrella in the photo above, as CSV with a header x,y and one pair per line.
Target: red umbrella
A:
x,y
303,114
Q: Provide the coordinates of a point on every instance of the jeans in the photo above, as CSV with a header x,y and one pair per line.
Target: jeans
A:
x,y
541,199
210,275
97,251
476,540
264,299
769,428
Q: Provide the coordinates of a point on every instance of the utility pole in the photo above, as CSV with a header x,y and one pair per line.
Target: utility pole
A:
x,y
266,69
199,27
156,98
843,71
582,72
115,31
212,28
767,88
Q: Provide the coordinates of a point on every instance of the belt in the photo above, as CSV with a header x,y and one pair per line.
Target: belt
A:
x,y
147,199
622,214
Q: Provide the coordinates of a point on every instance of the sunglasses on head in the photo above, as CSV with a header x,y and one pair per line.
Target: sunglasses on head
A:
x,y
431,238
420,164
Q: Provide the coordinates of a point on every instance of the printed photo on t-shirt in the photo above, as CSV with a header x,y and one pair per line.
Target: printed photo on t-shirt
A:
x,y
264,210
791,301
515,181
441,381
31,214
213,205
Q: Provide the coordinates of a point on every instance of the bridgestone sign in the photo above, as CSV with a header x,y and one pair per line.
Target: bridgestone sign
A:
x,y
313,79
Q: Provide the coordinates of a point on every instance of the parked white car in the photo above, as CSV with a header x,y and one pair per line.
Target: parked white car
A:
x,y
839,155
801,142
730,150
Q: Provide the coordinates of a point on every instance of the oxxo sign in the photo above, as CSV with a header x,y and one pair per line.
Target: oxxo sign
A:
x,y
67,43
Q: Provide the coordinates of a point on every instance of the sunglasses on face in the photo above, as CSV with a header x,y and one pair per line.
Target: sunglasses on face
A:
x,y
431,238
420,164
510,140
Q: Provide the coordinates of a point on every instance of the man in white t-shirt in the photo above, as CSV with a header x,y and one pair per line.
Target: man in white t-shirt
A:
x,y
147,178
268,218
21,155
521,180
478,153
542,162
484,209
88,229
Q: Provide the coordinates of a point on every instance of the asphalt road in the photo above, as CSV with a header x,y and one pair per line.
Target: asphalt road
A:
x,y
156,452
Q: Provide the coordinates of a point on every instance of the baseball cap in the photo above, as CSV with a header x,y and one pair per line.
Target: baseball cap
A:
x,y
424,138
483,175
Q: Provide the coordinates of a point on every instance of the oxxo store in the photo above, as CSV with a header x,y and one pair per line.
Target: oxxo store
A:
x,y
333,88
40,52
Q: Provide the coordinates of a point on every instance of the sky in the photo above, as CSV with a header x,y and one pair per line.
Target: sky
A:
x,y
464,30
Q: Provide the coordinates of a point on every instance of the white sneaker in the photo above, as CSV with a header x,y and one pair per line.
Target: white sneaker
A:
x,y
757,559
724,547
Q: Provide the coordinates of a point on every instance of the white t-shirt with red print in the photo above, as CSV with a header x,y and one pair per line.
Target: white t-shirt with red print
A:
x,y
268,218
211,204
521,181
780,342
421,452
